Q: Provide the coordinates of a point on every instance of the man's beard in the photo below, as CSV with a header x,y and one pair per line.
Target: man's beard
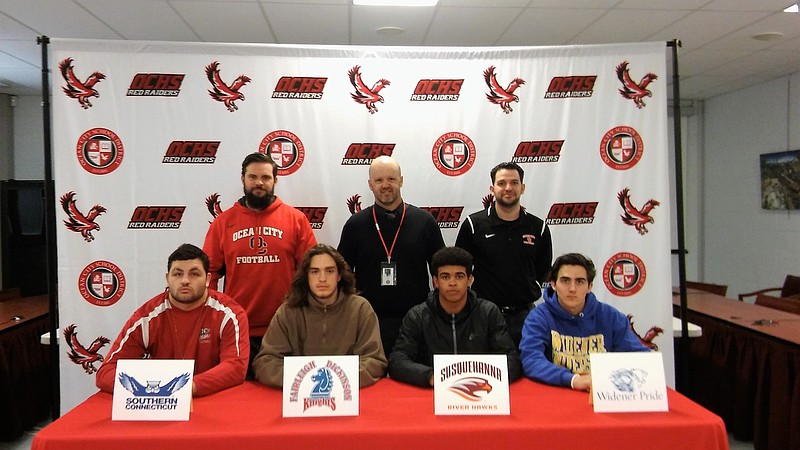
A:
x,y
258,201
503,202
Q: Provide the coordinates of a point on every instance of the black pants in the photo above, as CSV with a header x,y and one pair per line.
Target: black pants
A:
x,y
515,319
255,346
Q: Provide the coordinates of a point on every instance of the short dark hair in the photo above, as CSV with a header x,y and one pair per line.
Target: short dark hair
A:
x,y
572,259
451,256
508,166
259,158
300,290
188,252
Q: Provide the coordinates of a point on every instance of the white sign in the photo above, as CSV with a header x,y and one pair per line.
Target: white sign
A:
x,y
628,381
153,389
470,385
315,386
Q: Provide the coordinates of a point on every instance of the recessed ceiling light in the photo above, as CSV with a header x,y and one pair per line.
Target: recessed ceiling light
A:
x,y
390,31
395,2
792,9
769,36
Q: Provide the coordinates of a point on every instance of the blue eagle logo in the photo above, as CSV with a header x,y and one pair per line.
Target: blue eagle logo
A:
x,y
153,388
628,380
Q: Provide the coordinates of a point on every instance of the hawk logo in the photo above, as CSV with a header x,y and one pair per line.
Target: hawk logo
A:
x,y
624,274
469,387
571,213
156,85
499,95
363,94
78,354
362,153
537,151
77,89
156,217
153,388
487,201
221,92
633,216
300,88
77,221
286,149
428,90
315,215
648,338
571,87
354,204
101,283
631,89
213,205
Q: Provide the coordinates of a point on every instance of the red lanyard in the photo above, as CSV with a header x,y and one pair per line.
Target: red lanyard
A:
x,y
380,235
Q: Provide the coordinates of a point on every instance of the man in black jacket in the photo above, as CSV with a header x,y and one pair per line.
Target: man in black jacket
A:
x,y
452,321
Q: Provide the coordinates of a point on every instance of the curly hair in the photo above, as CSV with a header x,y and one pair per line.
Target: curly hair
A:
x,y
299,290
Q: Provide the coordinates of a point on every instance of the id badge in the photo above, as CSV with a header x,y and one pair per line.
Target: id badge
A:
x,y
388,274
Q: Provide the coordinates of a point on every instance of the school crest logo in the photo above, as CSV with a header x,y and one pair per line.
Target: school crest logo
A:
x,y
624,274
621,148
286,149
99,151
101,283
453,154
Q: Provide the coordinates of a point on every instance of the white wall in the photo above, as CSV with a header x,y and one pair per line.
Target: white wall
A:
x,y
28,139
743,245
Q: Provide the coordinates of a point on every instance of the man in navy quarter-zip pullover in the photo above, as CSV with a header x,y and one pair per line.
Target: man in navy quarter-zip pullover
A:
x,y
452,321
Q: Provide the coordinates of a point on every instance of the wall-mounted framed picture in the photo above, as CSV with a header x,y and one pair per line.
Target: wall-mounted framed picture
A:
x,y
780,180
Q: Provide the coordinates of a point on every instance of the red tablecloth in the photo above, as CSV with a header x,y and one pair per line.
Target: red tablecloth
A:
x,y
393,416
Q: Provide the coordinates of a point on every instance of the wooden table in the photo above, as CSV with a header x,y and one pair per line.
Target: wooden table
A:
x,y
746,368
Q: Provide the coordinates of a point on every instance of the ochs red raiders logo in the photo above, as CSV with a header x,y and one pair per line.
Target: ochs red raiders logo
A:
x,y
621,148
571,213
537,151
315,215
434,90
99,151
446,216
77,89
624,274
362,153
156,85
453,154
300,88
101,283
571,87
286,149
191,152
155,217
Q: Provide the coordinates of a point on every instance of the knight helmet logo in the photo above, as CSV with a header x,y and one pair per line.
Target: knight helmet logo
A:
x,y
631,89
85,357
499,95
77,221
213,205
354,204
77,89
222,92
363,94
635,217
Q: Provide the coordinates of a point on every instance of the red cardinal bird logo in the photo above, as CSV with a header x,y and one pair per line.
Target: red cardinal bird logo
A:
x,y
364,95
468,387
77,221
354,204
651,334
79,354
221,91
497,94
212,203
77,89
633,216
633,90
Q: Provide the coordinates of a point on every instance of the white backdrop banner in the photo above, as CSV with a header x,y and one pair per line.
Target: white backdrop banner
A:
x,y
148,140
